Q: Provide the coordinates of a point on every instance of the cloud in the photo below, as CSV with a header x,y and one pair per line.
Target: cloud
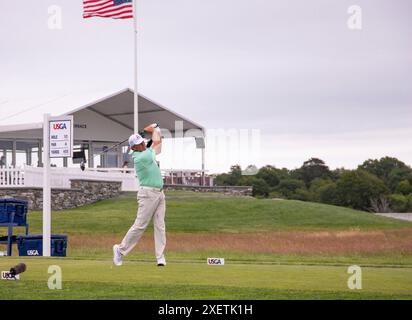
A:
x,y
289,68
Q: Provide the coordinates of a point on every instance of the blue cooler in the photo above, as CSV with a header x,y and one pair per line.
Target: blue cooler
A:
x,y
32,245
13,211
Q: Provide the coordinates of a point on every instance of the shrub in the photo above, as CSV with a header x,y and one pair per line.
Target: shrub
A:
x,y
301,194
275,195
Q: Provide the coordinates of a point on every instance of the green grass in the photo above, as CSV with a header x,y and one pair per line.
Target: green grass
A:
x,y
220,215
140,280
374,260
88,272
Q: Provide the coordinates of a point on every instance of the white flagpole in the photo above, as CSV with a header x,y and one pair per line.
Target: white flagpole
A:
x,y
136,94
46,188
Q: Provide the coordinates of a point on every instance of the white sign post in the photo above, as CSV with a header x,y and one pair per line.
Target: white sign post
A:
x,y
57,143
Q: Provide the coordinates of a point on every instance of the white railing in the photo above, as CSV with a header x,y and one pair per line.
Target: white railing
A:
x,y
11,177
60,177
32,177
111,170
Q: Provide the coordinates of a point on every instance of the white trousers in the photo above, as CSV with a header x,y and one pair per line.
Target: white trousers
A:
x,y
152,204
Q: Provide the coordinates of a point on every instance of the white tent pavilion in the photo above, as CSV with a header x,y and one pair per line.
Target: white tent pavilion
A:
x,y
100,121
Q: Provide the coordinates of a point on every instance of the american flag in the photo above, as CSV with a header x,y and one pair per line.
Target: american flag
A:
x,y
116,9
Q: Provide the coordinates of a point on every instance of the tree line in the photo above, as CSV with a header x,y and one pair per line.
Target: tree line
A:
x,y
383,185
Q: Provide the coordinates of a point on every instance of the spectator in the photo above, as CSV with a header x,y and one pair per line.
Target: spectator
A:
x,y
125,166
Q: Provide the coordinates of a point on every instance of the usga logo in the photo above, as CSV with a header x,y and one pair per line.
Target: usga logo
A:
x,y
59,126
33,253
5,275
215,261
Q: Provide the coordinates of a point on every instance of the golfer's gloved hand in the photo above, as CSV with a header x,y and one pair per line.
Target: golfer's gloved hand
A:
x,y
151,128
156,139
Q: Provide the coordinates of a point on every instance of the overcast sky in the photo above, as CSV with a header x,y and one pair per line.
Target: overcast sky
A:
x,y
292,69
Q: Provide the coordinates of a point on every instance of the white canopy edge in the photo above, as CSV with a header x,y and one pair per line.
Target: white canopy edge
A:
x,y
37,125
21,127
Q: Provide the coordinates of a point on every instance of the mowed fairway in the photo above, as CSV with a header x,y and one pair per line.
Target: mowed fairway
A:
x,y
86,279
273,250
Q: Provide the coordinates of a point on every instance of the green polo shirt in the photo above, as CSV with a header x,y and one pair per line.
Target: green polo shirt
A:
x,y
147,169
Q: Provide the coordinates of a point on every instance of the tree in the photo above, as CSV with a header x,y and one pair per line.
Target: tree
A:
x,y
337,173
397,175
390,170
222,179
380,205
230,179
301,194
398,203
247,180
355,189
289,187
317,187
260,187
328,194
270,174
404,187
409,203
234,175
312,169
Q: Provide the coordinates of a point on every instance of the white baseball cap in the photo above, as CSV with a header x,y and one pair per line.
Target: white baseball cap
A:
x,y
135,139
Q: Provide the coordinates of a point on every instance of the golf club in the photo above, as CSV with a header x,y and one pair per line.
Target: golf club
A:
x,y
142,133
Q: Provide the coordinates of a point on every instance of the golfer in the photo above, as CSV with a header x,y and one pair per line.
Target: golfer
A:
x,y
150,196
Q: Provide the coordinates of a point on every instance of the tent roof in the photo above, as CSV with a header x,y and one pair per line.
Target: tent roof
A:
x,y
117,107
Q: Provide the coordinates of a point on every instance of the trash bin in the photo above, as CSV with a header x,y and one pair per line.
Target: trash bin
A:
x,y
13,211
32,245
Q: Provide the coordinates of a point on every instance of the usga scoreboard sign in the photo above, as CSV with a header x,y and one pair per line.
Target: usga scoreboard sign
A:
x,y
61,137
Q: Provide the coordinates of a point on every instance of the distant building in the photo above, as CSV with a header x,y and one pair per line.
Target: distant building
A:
x,y
187,177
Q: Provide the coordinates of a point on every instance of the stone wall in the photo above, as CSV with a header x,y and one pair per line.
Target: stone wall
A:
x,y
82,192
228,190
93,191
